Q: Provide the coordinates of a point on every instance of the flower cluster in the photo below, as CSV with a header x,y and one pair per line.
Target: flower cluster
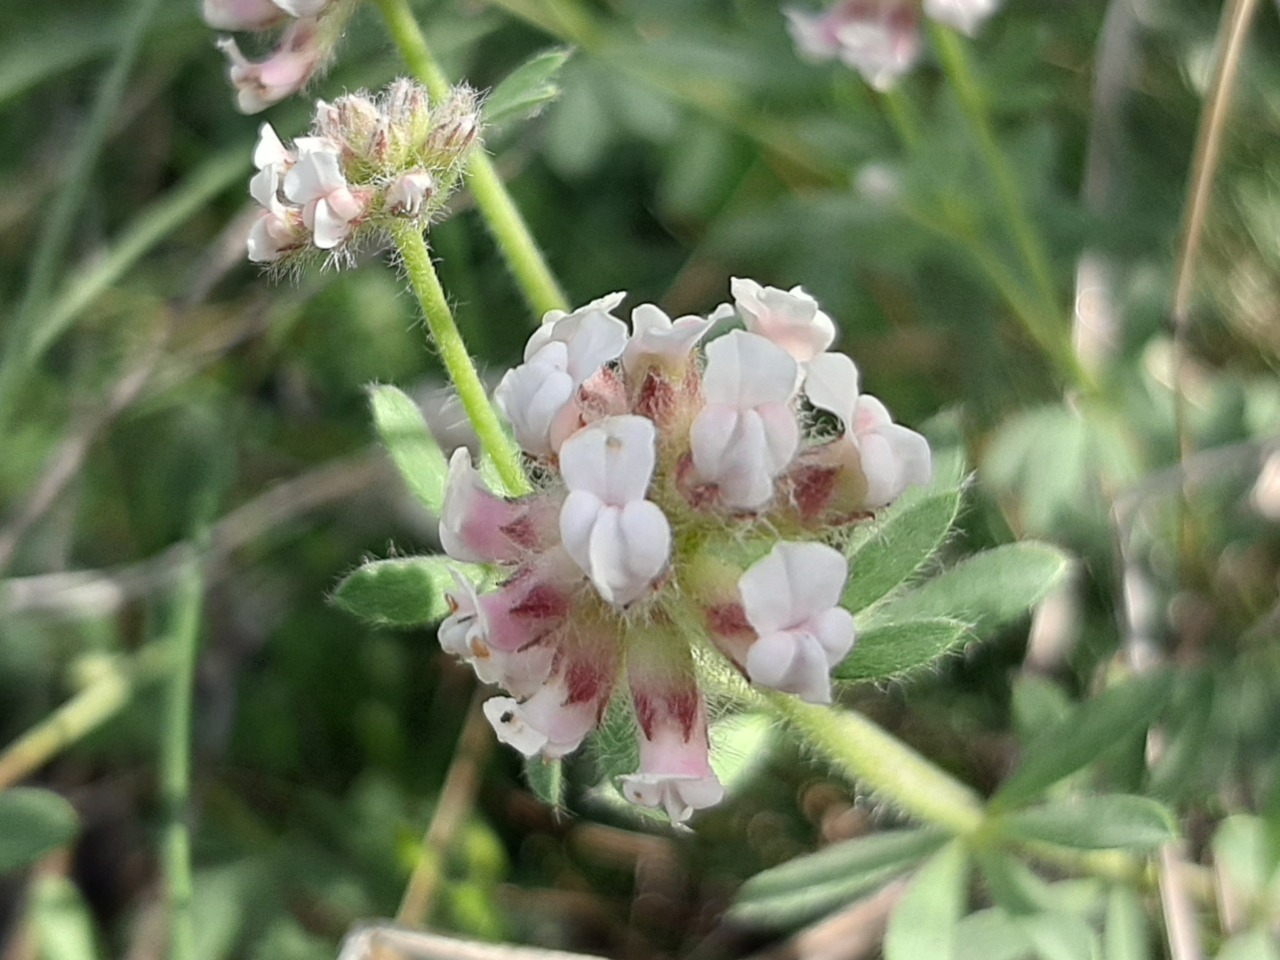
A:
x,y
879,38
311,32
686,502
368,161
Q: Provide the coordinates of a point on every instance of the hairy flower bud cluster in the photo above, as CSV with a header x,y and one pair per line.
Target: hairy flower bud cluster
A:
x,y
879,38
311,30
367,162
686,505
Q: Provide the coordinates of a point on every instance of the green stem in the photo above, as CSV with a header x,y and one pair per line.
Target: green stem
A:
x,y
883,764
457,362
175,762
506,225
1045,328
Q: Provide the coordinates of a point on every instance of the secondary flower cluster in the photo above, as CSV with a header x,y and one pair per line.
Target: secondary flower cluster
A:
x,y
685,504
880,38
367,161
311,32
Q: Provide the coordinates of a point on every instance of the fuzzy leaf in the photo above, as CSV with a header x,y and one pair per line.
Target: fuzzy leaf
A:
x,y
1114,821
415,452
1086,734
897,546
402,592
892,649
809,886
33,822
924,923
527,89
987,590
546,780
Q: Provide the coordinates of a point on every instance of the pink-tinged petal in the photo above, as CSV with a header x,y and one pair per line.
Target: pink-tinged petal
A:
x,y
628,548
317,173
793,583
892,457
578,516
831,384
656,338
532,396
745,370
614,458
328,228
792,662
781,436
270,149
264,186
465,620
271,236
967,16
302,8
812,33
240,14
835,632
593,335
504,715
552,722
474,524
790,319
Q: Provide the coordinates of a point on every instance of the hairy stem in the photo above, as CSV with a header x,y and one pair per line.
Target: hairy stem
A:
x,y
457,362
883,764
523,256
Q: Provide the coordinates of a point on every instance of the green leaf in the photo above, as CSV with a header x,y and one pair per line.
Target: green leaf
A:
x,y
892,649
546,780
924,923
1059,936
402,592
808,887
527,89
1012,885
33,823
1247,854
987,590
1112,821
1125,935
991,935
415,452
898,545
1085,735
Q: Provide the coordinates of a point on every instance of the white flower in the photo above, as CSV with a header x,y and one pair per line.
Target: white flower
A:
x,y
275,232
551,722
591,334
466,634
316,183
533,395
878,38
963,15
620,540
656,338
747,433
891,456
789,318
790,598
538,397
270,150
284,73
302,8
241,14
675,767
